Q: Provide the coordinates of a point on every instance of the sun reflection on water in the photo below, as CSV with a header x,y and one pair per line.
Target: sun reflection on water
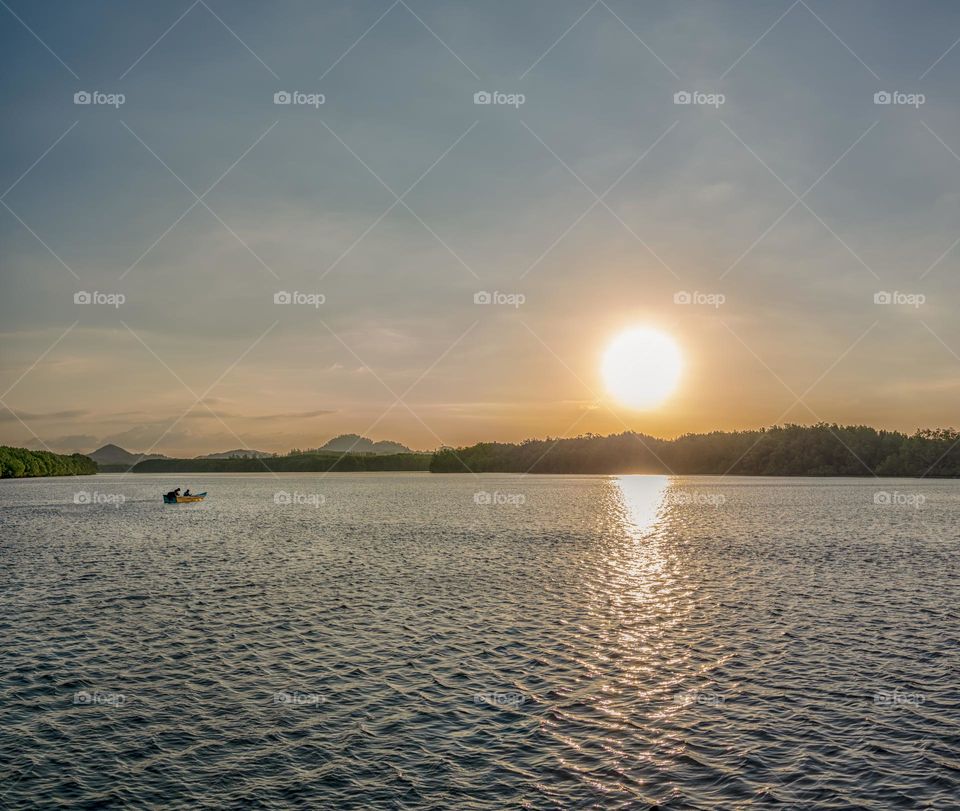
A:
x,y
642,498
639,558
642,603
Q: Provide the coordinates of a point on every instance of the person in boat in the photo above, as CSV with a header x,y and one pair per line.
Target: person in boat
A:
x,y
187,492
173,493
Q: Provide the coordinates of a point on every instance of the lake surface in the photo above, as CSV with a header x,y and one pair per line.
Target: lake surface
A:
x,y
480,642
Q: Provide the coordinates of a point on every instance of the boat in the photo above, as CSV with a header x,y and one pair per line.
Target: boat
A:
x,y
168,499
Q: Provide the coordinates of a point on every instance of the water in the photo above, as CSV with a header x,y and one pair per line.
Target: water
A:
x,y
384,641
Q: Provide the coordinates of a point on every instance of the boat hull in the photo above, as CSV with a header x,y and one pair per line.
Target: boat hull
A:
x,y
183,499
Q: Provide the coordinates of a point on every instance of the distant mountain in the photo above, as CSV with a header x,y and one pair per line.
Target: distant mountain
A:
x,y
240,453
354,443
115,455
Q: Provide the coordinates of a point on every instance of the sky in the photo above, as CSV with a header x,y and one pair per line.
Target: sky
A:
x,y
188,266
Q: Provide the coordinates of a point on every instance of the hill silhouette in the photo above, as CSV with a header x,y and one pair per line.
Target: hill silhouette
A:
x,y
354,443
111,454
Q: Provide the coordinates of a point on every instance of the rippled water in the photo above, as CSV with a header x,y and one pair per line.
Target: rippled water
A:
x,y
385,641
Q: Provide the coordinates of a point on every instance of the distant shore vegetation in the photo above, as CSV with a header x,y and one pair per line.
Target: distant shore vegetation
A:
x,y
19,463
823,449
298,462
790,450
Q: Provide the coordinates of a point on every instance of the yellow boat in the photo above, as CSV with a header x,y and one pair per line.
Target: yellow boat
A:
x,y
168,499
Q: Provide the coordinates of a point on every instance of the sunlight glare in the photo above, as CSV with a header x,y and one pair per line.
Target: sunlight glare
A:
x,y
641,367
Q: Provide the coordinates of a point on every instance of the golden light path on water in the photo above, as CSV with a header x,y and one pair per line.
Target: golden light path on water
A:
x,y
641,563
642,610
643,499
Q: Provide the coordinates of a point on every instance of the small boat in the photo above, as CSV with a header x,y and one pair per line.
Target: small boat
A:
x,y
168,499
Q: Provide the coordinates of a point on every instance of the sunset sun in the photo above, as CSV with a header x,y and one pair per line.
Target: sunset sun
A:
x,y
641,367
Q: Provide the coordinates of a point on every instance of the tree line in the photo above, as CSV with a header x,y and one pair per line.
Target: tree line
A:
x,y
296,463
19,463
823,449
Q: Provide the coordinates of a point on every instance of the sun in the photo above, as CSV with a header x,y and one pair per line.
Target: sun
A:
x,y
641,367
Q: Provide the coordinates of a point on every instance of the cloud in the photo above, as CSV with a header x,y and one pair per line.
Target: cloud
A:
x,y
33,416
296,415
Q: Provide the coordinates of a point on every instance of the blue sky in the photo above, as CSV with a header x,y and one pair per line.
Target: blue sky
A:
x,y
198,357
